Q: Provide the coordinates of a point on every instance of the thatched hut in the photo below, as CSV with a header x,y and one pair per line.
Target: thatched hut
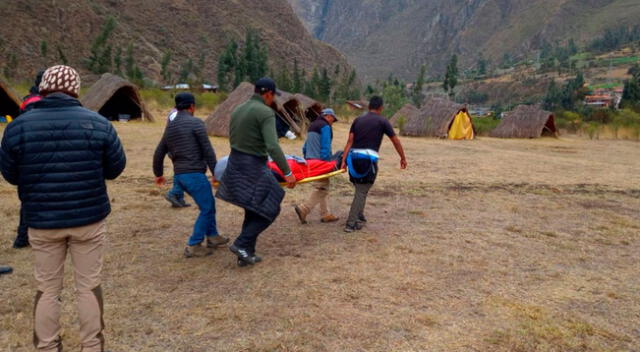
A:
x,y
312,108
9,102
440,118
408,111
218,122
290,108
285,105
116,98
526,121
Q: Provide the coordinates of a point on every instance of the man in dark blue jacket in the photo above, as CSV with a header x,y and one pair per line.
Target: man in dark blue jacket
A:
x,y
59,155
318,146
22,239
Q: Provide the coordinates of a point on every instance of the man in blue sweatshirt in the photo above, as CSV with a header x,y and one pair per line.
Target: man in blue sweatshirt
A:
x,y
318,146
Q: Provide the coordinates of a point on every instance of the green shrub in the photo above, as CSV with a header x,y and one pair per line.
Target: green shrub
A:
x,y
208,100
401,122
568,120
164,99
484,125
593,130
626,118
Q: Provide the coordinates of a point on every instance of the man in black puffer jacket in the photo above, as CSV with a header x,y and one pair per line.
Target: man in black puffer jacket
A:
x,y
59,155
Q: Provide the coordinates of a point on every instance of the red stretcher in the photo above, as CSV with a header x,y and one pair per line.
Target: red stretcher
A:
x,y
313,168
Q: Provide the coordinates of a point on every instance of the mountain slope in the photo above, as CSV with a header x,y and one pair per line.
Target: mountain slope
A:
x,y
189,29
397,36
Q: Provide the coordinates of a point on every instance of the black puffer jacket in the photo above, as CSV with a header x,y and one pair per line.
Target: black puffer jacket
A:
x,y
59,154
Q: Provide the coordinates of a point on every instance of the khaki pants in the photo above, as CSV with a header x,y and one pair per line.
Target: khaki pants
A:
x,y
319,197
86,246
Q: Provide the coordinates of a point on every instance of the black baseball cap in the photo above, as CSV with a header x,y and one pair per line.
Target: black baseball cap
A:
x,y
266,84
184,100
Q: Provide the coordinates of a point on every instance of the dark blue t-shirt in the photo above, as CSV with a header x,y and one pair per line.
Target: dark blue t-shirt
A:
x,y
368,131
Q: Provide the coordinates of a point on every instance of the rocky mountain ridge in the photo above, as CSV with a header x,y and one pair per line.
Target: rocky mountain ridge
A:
x,y
381,37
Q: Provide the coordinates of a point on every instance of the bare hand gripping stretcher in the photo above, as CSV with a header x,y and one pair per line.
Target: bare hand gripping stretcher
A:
x,y
304,170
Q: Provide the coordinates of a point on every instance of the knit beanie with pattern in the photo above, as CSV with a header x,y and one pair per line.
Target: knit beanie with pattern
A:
x,y
62,79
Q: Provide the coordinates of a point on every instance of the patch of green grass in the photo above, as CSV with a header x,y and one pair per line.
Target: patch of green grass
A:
x,y
165,98
625,60
484,125
610,85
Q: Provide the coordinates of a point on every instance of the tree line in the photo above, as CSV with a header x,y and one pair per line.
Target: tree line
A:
x,y
248,61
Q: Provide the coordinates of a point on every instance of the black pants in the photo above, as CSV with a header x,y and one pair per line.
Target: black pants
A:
x,y
22,238
252,227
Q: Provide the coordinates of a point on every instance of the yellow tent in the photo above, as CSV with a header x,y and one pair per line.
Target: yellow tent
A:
x,y
461,127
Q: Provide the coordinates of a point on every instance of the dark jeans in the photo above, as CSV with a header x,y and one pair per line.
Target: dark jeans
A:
x,y
197,185
22,238
359,201
252,227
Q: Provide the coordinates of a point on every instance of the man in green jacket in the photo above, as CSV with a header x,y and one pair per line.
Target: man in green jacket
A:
x,y
247,182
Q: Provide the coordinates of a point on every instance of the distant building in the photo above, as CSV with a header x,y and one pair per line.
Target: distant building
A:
x,y
357,105
600,101
480,111
184,86
604,98
209,88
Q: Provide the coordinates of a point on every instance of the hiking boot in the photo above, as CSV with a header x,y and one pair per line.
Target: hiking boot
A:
x,y
175,202
361,218
302,212
242,263
329,218
215,241
244,255
197,251
352,228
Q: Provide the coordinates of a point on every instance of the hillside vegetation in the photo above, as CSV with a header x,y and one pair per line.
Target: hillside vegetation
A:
x,y
191,34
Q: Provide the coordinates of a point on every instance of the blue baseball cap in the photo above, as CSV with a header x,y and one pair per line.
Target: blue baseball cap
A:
x,y
329,111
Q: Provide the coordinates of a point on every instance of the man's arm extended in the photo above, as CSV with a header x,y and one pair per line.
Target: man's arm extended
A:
x,y
396,144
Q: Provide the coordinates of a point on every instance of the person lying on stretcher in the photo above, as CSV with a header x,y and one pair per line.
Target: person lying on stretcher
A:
x,y
300,167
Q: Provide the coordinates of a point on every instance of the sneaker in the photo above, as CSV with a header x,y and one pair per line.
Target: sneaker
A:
x,y
175,202
352,228
197,251
215,241
244,255
329,218
361,218
302,212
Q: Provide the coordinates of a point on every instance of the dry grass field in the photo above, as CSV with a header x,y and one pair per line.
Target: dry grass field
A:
x,y
487,245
